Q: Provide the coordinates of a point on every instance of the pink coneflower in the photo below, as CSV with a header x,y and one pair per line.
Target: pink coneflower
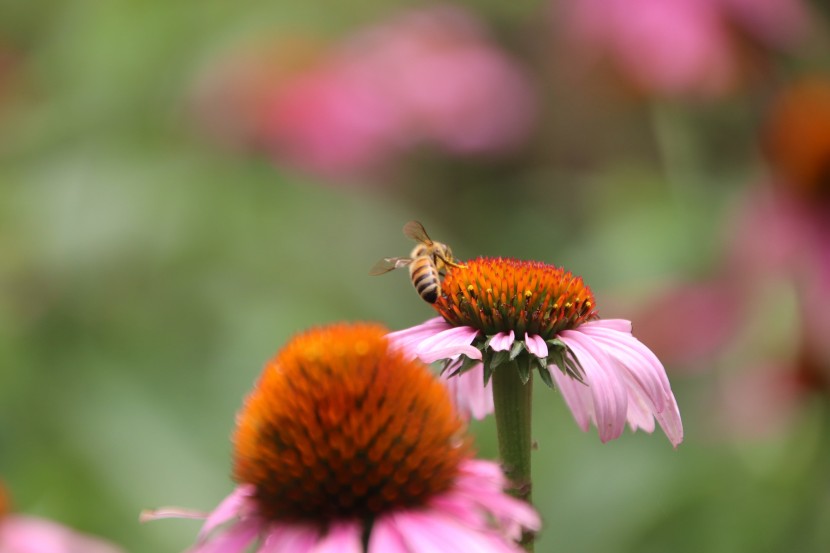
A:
x,y
503,314
27,534
680,47
347,445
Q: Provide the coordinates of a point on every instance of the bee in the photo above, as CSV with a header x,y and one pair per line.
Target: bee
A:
x,y
426,262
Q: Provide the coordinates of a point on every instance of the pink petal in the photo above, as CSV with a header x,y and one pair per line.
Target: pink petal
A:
x,y
482,483
281,538
235,539
385,537
621,325
447,344
646,377
487,470
644,369
669,420
536,345
577,397
502,341
640,411
468,392
408,338
343,537
230,507
608,391
434,532
35,535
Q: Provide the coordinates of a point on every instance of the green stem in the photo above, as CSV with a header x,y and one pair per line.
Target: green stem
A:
x,y
512,400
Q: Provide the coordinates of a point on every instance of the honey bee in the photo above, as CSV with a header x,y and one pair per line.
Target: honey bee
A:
x,y
426,262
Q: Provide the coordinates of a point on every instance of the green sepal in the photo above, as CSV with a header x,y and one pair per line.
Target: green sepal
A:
x,y
575,369
522,363
499,358
516,349
544,374
538,362
488,372
467,363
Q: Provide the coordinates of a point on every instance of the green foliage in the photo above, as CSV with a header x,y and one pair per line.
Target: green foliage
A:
x,y
146,275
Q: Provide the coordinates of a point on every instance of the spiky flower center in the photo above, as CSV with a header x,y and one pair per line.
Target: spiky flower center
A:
x,y
341,426
499,295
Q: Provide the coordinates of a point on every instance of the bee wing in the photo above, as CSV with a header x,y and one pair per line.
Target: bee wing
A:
x,y
416,231
389,264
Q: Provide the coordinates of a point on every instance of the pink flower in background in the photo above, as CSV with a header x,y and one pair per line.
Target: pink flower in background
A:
x,y
458,88
778,247
776,23
430,77
333,121
27,534
677,47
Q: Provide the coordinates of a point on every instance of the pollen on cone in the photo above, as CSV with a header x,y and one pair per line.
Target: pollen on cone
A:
x,y
499,295
339,425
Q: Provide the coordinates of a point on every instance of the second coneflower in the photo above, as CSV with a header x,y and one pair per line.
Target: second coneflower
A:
x,y
348,446
504,318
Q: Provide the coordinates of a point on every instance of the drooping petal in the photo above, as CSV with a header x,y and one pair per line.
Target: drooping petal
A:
x,y
436,532
640,410
671,423
468,393
610,399
645,375
409,338
577,397
235,539
502,341
645,371
447,344
536,345
287,536
230,507
483,482
620,325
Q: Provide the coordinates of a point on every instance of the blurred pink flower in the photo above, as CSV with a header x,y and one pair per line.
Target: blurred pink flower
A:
x,y
777,23
346,445
457,87
430,77
332,121
463,518
676,47
25,534
712,313
779,239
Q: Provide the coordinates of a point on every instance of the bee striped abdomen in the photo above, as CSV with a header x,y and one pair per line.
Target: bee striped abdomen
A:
x,y
424,277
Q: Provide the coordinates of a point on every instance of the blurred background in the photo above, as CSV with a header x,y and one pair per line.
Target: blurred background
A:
x,y
185,185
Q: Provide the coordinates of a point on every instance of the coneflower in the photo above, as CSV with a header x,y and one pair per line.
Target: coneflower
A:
x,y
347,445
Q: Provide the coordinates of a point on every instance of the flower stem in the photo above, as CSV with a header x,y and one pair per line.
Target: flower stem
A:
x,y
512,399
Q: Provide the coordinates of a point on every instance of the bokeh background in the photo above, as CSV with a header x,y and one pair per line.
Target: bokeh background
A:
x,y
184,185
